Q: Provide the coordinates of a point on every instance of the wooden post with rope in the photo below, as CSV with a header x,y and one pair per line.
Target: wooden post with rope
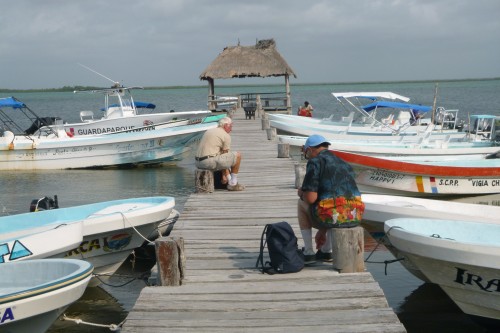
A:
x,y
170,260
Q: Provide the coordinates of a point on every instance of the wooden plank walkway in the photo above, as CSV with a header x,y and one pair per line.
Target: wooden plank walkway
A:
x,y
224,292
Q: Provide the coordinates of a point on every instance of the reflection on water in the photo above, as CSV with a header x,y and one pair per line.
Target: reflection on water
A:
x,y
78,187
95,306
430,302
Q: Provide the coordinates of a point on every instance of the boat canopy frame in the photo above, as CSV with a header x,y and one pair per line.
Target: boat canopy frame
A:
x,y
13,126
356,100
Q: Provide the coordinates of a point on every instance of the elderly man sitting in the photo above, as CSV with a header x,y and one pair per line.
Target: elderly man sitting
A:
x,y
214,154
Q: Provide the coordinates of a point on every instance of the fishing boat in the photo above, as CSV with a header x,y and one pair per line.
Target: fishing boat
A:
x,y
58,150
409,119
380,208
109,231
121,113
479,141
34,293
39,242
462,257
421,177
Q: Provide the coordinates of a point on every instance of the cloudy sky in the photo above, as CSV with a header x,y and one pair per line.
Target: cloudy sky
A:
x,y
170,42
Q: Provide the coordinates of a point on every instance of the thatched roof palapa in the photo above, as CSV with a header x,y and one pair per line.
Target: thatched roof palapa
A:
x,y
260,60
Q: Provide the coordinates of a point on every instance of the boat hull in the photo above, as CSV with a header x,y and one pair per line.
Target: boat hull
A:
x,y
125,149
380,208
140,122
34,298
429,178
460,256
109,231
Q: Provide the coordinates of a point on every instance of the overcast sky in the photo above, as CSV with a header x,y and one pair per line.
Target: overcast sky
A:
x,y
170,42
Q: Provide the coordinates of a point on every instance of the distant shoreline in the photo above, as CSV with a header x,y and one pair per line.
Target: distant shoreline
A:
x,y
73,88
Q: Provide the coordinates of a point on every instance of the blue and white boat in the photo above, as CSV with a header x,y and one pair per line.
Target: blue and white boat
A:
x,y
363,122
33,294
103,233
58,150
477,143
121,113
380,208
462,257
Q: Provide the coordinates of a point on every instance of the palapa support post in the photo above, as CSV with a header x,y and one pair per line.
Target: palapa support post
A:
x,y
259,110
283,150
347,249
204,181
170,260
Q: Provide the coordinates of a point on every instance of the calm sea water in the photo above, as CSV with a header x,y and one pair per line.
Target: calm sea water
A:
x,y
421,307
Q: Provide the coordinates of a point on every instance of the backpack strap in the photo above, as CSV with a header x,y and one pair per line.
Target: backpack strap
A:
x,y
260,259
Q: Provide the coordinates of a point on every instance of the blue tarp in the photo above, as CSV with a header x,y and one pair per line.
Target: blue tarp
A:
x,y
11,102
139,105
396,105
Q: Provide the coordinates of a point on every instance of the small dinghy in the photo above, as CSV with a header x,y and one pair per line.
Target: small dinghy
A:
x,y
34,293
103,233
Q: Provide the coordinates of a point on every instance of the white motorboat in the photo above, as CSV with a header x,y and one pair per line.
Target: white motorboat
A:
x,y
121,113
380,208
59,151
480,141
462,257
109,231
407,119
34,293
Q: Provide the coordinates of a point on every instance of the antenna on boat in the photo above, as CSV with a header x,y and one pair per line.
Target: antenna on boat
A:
x,y
116,84
434,104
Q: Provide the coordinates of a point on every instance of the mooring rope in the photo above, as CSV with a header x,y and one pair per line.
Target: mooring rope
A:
x,y
112,327
385,262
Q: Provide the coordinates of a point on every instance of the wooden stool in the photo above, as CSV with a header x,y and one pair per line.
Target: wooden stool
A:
x,y
347,249
204,181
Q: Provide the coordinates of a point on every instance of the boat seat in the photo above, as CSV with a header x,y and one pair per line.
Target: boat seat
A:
x,y
86,116
349,118
388,120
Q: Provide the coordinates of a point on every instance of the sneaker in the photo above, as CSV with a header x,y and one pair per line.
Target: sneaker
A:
x,y
322,256
237,187
308,258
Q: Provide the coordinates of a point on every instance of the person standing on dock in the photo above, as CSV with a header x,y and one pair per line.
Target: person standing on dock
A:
x,y
329,198
306,110
214,154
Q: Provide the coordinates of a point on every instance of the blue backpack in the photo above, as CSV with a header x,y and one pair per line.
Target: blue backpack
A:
x,y
284,254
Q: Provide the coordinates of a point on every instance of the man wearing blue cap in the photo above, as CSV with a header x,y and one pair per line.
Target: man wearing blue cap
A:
x,y
329,198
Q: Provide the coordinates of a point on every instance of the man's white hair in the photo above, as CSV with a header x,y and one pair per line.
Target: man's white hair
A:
x,y
224,121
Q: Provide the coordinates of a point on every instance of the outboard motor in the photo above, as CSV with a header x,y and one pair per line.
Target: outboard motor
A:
x,y
44,203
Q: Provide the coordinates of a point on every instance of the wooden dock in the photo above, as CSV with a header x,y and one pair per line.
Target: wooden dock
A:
x,y
224,292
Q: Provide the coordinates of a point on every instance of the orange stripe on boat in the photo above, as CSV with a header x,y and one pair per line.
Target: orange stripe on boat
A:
x,y
415,168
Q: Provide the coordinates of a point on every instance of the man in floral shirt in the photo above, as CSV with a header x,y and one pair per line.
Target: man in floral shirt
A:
x,y
329,198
